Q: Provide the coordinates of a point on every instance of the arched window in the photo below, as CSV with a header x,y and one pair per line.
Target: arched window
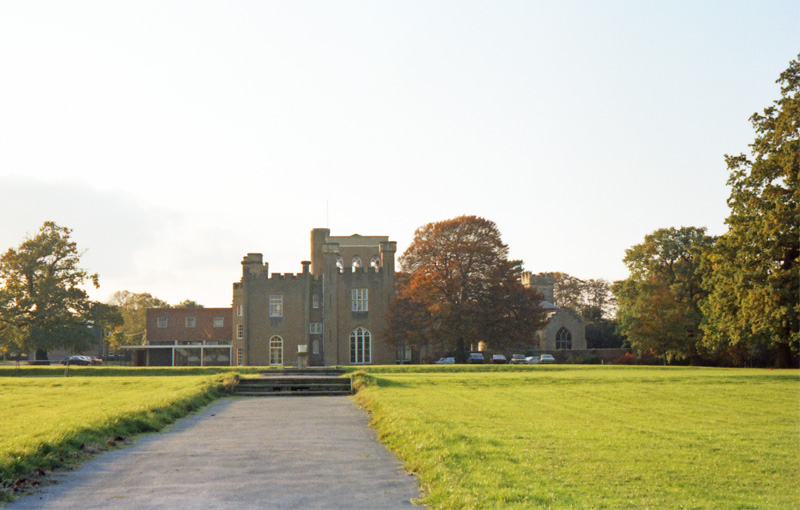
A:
x,y
375,262
563,339
315,347
356,262
340,263
276,350
360,346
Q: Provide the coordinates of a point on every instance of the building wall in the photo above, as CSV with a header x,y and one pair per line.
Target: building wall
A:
x,y
333,285
563,318
177,330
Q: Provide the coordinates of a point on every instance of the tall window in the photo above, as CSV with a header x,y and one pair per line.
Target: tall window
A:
x,y
340,263
276,306
563,339
359,300
239,356
360,346
315,328
240,331
356,262
276,350
161,322
190,321
315,301
375,262
239,310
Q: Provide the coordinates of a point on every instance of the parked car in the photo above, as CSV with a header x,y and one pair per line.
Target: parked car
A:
x,y
547,358
518,359
499,359
445,361
532,360
77,360
475,357
95,361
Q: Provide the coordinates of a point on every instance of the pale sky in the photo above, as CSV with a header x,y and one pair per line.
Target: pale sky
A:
x,y
174,137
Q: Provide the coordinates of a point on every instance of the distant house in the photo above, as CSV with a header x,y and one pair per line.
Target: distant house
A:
x,y
185,337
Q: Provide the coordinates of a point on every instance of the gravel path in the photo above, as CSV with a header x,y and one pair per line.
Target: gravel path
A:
x,y
261,452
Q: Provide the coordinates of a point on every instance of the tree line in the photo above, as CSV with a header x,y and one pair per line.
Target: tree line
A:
x,y
732,299
44,304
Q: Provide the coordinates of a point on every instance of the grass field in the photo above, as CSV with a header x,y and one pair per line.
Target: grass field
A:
x,y
49,422
592,437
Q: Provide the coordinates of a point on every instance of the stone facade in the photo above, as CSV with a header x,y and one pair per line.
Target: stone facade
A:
x,y
565,330
334,309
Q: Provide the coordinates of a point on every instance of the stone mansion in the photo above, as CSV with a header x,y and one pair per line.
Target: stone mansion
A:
x,y
333,311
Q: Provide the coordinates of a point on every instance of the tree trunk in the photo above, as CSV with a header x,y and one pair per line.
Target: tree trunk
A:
x,y
783,358
461,354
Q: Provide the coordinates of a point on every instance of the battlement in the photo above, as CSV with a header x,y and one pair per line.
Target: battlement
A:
x,y
529,279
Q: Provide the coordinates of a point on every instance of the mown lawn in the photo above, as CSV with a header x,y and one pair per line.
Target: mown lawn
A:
x,y
593,437
50,422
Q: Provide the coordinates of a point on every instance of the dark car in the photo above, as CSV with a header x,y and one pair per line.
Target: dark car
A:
x,y
475,357
499,359
76,360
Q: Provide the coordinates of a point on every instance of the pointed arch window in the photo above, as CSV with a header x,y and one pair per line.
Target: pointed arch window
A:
x,y
563,339
375,262
360,346
276,350
356,262
340,263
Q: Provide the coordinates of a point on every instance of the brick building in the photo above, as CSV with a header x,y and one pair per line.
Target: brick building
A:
x,y
334,309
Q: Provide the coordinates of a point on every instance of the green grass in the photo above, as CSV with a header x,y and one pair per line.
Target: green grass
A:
x,y
592,437
52,422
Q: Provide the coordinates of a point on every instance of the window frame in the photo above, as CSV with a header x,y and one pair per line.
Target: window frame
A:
x,y
162,322
275,306
190,321
275,346
219,322
359,300
360,346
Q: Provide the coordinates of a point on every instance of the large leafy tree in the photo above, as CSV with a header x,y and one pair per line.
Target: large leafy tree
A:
x,y
133,307
754,270
460,288
659,303
43,304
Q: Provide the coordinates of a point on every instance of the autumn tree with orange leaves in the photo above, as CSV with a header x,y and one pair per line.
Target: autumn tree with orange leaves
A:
x,y
458,287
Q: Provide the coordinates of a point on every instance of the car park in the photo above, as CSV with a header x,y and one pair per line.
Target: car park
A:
x,y
445,361
547,358
518,359
475,357
499,359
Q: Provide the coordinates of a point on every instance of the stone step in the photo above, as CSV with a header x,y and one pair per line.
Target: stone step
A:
x,y
295,380
305,371
276,385
292,393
